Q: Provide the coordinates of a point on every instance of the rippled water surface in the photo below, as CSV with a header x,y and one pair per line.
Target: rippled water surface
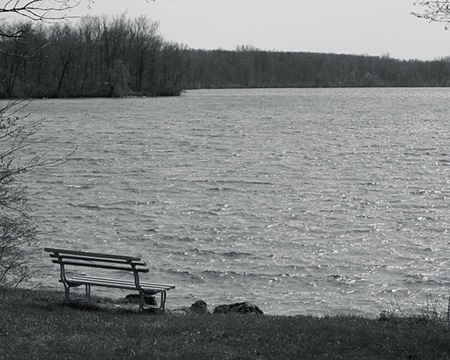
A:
x,y
303,201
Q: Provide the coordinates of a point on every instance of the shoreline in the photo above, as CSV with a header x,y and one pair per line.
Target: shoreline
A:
x,y
35,324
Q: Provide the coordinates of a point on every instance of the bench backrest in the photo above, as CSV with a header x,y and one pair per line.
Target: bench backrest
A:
x,y
104,261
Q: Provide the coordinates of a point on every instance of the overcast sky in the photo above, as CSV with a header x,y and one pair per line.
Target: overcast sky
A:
x,y
372,27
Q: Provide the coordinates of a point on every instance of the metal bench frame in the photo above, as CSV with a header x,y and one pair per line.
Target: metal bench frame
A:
x,y
106,261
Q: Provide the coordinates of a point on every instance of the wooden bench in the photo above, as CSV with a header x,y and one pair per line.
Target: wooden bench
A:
x,y
129,264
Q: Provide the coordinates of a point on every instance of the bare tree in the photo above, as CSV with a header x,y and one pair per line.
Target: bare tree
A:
x,y
36,10
434,11
17,228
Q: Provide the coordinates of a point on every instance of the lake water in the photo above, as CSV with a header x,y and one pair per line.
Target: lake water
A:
x,y
302,201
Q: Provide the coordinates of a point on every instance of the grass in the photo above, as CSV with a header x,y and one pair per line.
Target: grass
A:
x,y
36,325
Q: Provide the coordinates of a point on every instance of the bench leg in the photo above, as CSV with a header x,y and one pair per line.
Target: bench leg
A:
x,y
67,293
162,305
67,289
141,300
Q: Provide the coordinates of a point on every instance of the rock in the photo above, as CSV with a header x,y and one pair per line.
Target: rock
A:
x,y
240,308
135,298
200,307
181,311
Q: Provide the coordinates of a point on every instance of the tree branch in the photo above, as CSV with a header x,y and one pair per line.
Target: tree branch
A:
x,y
435,11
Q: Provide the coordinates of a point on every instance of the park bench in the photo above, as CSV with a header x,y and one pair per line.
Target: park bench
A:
x,y
132,265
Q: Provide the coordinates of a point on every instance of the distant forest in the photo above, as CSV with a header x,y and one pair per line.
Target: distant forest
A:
x,y
113,57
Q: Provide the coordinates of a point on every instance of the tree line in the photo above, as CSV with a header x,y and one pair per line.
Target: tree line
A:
x,y
112,57
249,67
95,57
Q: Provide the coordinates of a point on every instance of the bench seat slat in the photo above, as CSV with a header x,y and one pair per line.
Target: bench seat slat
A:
x,y
111,267
130,285
104,284
91,254
84,258
144,284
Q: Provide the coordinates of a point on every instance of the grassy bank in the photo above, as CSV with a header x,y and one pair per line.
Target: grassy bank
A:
x,y
36,325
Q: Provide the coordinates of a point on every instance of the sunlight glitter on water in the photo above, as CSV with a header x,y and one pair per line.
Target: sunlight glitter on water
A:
x,y
315,201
